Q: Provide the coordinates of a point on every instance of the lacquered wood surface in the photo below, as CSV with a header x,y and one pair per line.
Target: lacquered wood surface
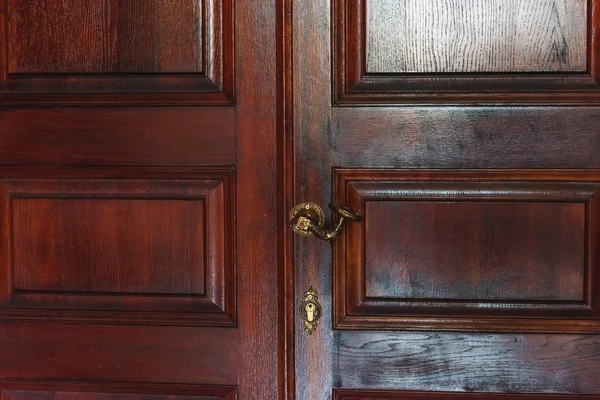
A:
x,y
517,145
77,353
138,199
475,251
417,395
178,136
466,52
21,390
105,36
458,362
257,130
466,137
439,36
113,52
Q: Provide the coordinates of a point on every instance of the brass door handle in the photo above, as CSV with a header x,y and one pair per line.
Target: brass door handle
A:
x,y
307,219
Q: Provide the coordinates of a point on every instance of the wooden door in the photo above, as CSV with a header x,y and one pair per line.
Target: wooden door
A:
x,y
467,135
137,144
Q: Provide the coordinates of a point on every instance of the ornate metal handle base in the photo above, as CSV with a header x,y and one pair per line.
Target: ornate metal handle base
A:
x,y
307,219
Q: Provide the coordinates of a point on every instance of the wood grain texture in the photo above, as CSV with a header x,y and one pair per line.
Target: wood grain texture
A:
x,y
137,248
285,201
311,103
258,126
406,395
387,270
107,36
469,137
461,127
68,352
460,362
469,52
164,252
114,52
19,390
525,251
445,36
80,125
183,136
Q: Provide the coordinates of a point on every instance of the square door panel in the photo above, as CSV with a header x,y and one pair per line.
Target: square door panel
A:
x,y
178,48
468,250
466,51
143,249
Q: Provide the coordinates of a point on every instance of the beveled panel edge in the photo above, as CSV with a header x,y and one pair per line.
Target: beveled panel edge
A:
x,y
218,307
221,391
216,83
353,86
352,311
358,394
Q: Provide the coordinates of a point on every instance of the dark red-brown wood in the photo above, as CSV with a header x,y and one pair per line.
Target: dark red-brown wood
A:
x,y
468,250
390,395
113,52
63,391
138,199
537,52
155,250
474,164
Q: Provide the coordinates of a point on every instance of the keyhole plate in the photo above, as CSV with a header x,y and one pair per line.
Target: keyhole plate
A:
x,y
310,311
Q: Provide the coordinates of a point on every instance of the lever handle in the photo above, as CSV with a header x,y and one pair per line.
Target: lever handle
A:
x,y
307,219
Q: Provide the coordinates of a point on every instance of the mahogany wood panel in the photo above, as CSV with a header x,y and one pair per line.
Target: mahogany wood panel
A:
x,y
390,395
71,37
110,51
164,252
441,36
136,248
310,92
459,62
442,250
468,250
112,391
258,127
459,362
177,136
469,137
94,353
133,143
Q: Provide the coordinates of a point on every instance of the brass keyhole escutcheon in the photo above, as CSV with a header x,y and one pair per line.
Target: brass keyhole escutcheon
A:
x,y
310,311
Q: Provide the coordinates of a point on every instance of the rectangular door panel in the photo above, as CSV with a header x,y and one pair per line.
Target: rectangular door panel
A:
x,y
112,51
432,36
472,51
468,250
148,250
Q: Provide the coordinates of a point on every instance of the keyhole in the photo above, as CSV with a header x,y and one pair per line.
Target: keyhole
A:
x,y
310,312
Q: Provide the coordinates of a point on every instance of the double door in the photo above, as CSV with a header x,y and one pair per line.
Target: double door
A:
x,y
151,152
